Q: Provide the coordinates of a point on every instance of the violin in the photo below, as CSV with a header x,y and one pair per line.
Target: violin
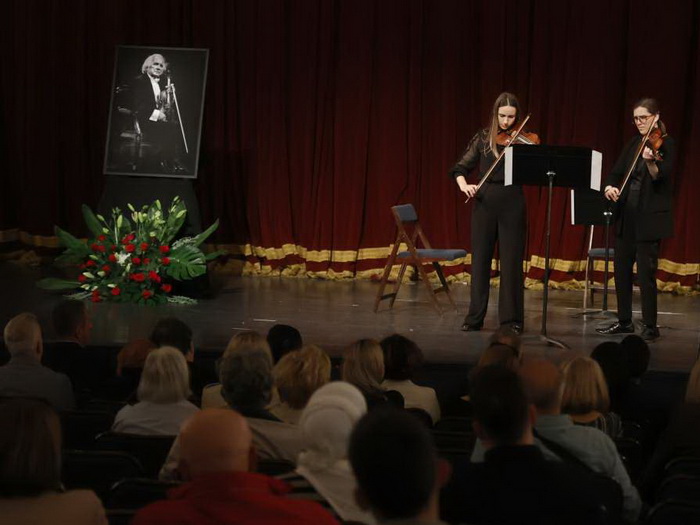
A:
x,y
524,137
654,143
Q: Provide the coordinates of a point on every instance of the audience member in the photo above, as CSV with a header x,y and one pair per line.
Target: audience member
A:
x,y
133,355
500,354
24,376
586,399
515,483
637,352
163,390
248,340
297,376
402,357
682,435
614,363
30,470
283,339
363,366
505,335
246,385
217,460
323,472
398,472
171,331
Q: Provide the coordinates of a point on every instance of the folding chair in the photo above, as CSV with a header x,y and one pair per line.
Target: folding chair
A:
x,y
595,253
150,451
409,231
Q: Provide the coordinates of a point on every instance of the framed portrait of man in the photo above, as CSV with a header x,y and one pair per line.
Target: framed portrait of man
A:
x,y
156,108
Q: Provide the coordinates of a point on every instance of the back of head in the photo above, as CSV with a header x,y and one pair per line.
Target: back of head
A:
x,y
248,340
585,389
506,336
394,460
401,357
326,424
363,365
283,339
300,373
543,383
22,335
170,331
692,391
502,355
30,448
246,379
165,378
637,352
613,362
500,404
68,316
215,440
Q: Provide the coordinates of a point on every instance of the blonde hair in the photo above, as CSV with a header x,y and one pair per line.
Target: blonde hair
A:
x,y
585,389
692,391
22,333
300,373
363,365
165,377
249,340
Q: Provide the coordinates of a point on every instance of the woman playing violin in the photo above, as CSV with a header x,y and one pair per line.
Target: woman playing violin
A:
x,y
643,215
498,214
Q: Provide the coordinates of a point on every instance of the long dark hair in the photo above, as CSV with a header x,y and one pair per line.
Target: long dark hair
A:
x,y
652,106
30,448
504,99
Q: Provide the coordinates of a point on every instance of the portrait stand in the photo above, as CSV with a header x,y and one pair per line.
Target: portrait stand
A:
x,y
549,166
590,208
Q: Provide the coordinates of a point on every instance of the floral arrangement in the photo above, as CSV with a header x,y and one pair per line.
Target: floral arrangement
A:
x,y
133,260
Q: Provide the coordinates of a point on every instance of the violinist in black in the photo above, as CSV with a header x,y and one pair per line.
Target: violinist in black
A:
x,y
498,214
644,216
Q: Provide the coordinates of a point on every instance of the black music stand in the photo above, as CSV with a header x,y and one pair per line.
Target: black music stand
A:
x,y
591,208
562,166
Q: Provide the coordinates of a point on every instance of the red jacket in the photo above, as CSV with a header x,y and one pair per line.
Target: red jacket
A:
x,y
233,498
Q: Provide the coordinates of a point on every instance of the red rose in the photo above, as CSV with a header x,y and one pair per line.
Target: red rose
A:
x,y
167,288
128,238
138,277
113,248
94,247
101,238
81,266
112,257
146,294
165,261
136,260
82,278
144,246
130,248
164,249
100,248
116,291
90,263
153,276
106,268
146,260
96,299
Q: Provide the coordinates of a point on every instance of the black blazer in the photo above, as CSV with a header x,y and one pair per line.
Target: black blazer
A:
x,y
654,219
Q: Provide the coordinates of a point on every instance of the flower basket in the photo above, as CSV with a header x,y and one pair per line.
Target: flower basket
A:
x,y
133,259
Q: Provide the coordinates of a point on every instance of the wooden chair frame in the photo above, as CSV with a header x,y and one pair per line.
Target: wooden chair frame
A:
x,y
406,219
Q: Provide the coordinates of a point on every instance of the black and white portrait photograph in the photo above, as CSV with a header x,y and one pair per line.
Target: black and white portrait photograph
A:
x,y
156,111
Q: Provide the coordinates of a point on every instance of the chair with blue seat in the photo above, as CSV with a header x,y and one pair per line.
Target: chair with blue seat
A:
x,y
410,231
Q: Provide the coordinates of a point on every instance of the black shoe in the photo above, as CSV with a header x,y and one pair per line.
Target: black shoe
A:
x,y
617,328
650,333
466,327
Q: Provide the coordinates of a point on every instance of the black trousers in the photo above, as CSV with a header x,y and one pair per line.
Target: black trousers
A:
x,y
498,216
646,255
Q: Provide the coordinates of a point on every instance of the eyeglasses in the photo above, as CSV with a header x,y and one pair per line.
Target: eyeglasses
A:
x,y
642,118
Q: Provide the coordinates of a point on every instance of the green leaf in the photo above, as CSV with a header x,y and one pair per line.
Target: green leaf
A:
x,y
92,222
51,283
213,255
71,242
199,239
186,262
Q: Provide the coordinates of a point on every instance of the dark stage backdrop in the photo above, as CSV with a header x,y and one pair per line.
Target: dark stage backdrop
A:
x,y
322,114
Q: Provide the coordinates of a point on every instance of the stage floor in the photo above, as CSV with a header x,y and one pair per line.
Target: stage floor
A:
x,y
334,313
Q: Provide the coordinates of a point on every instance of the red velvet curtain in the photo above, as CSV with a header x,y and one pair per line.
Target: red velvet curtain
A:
x,y
322,114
